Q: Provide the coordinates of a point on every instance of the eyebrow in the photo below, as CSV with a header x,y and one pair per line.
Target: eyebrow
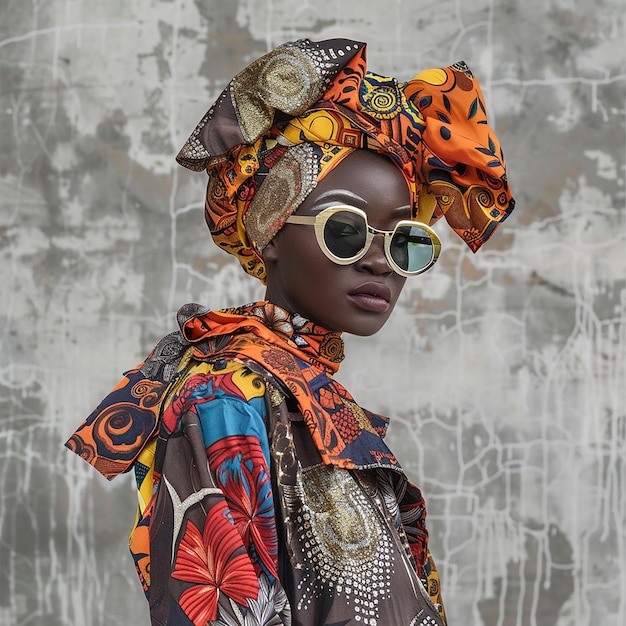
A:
x,y
340,193
346,194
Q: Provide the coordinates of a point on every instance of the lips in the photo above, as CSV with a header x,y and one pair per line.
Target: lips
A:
x,y
375,290
374,297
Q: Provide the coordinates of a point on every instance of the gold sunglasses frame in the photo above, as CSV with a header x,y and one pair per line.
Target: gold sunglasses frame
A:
x,y
319,223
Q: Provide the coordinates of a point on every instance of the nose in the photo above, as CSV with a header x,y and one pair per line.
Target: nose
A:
x,y
375,259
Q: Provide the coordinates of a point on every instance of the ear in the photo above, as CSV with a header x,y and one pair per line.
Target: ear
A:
x,y
270,252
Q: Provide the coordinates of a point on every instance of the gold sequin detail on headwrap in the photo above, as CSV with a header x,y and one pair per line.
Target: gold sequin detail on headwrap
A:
x,y
286,81
287,184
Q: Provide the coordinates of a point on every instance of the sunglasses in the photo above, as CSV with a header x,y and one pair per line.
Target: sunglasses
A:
x,y
344,236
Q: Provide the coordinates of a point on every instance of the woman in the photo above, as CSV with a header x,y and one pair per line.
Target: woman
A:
x,y
266,494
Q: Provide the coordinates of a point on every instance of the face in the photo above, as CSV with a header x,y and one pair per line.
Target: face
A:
x,y
356,298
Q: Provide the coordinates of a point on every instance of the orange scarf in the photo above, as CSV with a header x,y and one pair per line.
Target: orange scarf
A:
x,y
302,357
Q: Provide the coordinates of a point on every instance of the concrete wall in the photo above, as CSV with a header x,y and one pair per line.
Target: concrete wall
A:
x,y
504,372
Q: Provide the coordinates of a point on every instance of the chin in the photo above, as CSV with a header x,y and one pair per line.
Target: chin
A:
x,y
364,332
364,328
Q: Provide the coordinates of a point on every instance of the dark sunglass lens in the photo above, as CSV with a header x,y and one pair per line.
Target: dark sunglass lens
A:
x,y
345,234
411,248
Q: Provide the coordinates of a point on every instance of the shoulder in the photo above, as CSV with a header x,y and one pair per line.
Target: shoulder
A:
x,y
164,360
222,378
203,384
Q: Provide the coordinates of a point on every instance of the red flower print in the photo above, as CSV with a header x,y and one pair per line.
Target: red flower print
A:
x,y
227,384
242,474
215,562
199,388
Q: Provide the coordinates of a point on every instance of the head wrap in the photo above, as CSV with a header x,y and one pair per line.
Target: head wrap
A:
x,y
291,116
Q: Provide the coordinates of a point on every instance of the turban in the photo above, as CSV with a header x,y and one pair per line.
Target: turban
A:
x,y
294,114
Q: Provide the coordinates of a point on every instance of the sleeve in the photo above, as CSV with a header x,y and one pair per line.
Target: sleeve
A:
x,y
413,516
213,536
114,434
433,586
125,423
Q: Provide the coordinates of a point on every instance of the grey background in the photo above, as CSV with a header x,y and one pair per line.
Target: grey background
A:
x,y
503,373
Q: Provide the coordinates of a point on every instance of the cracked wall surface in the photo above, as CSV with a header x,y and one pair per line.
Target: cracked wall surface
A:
x,y
504,373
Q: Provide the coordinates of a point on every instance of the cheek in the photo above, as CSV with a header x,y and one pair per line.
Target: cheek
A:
x,y
315,275
304,257
398,285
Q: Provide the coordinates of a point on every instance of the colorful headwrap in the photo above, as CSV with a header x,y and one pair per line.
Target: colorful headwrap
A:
x,y
292,115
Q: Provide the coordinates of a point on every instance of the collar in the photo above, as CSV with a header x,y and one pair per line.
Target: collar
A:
x,y
303,356
303,338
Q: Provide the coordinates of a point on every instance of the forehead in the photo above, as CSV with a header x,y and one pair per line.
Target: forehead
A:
x,y
364,179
